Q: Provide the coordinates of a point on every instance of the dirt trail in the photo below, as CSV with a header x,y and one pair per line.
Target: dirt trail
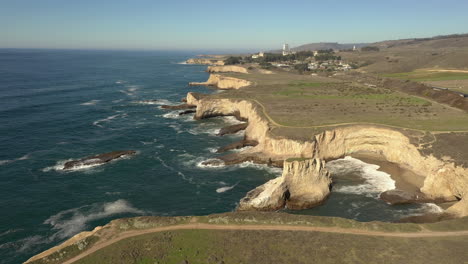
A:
x,y
272,121
463,71
133,233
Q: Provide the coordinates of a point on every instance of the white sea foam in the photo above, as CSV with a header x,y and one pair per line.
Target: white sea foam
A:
x,y
217,163
60,165
198,130
177,128
149,142
107,119
422,209
92,102
69,222
120,82
375,182
133,88
212,150
149,102
86,165
5,162
231,120
269,169
226,188
182,175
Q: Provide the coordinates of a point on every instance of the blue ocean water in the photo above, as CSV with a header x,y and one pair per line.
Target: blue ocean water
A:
x,y
57,105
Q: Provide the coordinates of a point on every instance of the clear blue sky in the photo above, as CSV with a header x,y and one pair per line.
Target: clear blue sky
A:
x,y
221,24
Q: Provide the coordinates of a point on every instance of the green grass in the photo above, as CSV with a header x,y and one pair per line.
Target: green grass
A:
x,y
307,84
428,76
236,246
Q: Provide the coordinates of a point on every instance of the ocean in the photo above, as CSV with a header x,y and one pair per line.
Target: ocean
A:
x,y
58,105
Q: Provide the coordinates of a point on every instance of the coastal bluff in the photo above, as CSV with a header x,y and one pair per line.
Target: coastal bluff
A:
x,y
443,179
223,82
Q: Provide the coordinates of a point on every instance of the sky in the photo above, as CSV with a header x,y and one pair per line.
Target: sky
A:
x,y
219,24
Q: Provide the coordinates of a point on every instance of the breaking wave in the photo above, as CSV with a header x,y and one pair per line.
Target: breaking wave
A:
x,y
69,222
92,102
5,162
375,181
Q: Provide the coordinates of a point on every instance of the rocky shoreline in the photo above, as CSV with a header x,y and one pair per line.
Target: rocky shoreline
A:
x,y
443,180
305,181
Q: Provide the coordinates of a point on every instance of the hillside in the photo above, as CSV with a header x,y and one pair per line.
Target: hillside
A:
x,y
397,56
328,45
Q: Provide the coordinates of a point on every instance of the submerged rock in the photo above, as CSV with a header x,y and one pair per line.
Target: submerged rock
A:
x,y
402,197
178,107
238,145
187,112
232,129
97,159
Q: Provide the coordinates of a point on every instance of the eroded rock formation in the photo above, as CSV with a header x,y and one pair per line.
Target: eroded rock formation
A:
x,y
443,179
227,68
304,184
97,159
223,82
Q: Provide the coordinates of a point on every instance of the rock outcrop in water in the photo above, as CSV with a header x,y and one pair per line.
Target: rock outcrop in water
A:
x,y
223,82
304,184
232,129
97,159
178,107
443,179
402,197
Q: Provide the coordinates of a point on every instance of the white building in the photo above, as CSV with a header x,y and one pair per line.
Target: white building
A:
x,y
260,54
286,50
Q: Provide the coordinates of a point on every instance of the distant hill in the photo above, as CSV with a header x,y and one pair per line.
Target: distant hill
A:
x,y
405,55
328,45
455,40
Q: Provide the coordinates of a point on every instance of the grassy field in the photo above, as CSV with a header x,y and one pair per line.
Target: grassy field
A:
x,y
429,76
280,246
215,246
311,101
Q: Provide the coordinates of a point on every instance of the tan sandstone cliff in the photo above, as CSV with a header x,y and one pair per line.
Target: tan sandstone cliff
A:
x,y
442,179
223,82
227,68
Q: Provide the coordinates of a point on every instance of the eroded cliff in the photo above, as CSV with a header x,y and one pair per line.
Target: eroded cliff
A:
x,y
227,68
443,179
223,82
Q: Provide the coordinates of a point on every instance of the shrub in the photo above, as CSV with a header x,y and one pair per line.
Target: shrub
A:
x,y
232,60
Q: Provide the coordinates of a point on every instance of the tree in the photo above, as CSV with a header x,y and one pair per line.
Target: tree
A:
x,y
301,67
232,60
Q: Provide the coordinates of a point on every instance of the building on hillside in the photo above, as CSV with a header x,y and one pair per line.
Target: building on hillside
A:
x,y
260,54
315,53
354,48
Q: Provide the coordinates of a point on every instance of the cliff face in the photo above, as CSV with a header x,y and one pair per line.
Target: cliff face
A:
x,y
205,61
442,179
227,68
223,82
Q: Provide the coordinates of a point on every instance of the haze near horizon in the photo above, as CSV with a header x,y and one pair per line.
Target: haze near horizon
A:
x,y
214,25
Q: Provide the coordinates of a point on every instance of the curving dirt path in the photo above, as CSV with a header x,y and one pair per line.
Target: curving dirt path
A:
x,y
192,226
354,123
